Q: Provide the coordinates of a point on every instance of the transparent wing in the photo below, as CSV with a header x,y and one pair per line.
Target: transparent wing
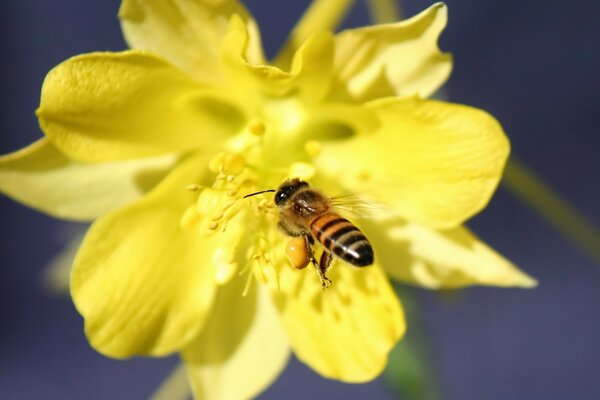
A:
x,y
359,206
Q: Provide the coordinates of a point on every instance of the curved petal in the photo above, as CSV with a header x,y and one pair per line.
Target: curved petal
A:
x,y
111,106
400,59
312,66
188,33
143,284
434,259
42,177
308,78
433,162
346,331
242,348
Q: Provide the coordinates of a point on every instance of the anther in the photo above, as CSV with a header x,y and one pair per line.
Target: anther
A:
x,y
313,148
364,175
225,163
257,128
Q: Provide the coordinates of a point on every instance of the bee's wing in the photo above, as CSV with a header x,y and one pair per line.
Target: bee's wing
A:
x,y
359,206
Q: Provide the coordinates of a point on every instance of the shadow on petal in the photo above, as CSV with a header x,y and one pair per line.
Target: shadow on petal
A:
x,y
451,258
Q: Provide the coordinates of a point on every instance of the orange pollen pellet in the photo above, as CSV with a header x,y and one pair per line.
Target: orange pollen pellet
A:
x,y
296,252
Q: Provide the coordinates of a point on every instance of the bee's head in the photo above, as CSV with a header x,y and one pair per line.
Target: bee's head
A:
x,y
287,189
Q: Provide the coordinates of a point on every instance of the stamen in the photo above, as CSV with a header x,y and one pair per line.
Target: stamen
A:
x,y
227,164
261,263
313,148
268,275
257,128
364,175
214,208
265,205
247,286
209,201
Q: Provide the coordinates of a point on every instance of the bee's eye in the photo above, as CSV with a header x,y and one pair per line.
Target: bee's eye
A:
x,y
281,197
287,190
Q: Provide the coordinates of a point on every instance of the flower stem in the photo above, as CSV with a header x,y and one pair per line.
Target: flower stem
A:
x,y
529,188
321,15
174,387
410,371
384,11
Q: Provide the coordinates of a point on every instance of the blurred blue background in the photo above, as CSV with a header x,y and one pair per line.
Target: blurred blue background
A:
x,y
534,65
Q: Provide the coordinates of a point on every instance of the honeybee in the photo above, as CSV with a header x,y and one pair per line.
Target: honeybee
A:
x,y
308,216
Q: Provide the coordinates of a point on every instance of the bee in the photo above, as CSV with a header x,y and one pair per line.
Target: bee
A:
x,y
307,216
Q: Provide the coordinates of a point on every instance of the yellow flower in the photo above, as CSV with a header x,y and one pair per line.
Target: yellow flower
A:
x,y
203,271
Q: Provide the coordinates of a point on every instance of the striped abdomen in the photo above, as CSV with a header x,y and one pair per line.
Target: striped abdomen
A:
x,y
343,239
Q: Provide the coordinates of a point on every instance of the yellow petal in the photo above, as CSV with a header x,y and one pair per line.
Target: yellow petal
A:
x,y
346,331
142,284
250,79
399,59
440,259
432,162
335,121
110,106
188,33
312,66
308,77
242,348
42,177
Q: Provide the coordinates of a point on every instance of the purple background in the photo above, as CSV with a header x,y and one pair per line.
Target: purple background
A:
x,y
534,65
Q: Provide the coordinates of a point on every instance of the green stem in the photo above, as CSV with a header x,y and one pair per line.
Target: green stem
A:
x,y
384,11
410,371
322,15
529,188
175,387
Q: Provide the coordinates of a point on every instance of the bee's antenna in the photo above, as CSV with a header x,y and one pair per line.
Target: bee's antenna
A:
x,y
262,191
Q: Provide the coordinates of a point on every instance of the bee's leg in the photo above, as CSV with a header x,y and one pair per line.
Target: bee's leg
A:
x,y
308,242
324,265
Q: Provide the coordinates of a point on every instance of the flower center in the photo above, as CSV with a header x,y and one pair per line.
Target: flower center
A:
x,y
218,204
286,115
244,230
